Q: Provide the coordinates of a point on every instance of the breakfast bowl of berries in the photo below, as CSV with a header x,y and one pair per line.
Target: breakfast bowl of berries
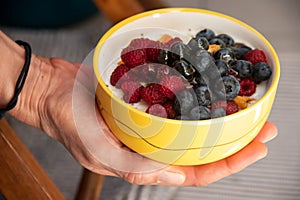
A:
x,y
185,86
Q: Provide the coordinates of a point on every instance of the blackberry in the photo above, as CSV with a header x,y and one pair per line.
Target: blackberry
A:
x,y
184,102
207,33
218,112
261,72
197,44
203,95
179,51
227,39
200,113
231,86
225,54
184,68
240,50
199,80
165,57
222,67
217,41
243,68
202,62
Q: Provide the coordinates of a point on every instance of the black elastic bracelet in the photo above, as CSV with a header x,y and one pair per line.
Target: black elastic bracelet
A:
x,y
21,79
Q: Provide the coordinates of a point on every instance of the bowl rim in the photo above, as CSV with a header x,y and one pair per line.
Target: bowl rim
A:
x,y
116,27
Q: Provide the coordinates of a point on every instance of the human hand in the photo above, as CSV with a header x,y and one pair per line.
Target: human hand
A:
x,y
67,112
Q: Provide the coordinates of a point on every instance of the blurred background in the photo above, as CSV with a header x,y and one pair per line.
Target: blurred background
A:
x,y
276,177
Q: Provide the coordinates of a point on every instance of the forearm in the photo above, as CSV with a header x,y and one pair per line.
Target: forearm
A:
x,y
11,62
30,99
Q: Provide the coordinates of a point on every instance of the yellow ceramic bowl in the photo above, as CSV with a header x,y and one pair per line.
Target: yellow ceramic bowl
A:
x,y
174,141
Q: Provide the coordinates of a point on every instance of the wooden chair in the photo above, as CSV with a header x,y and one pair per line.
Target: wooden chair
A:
x,y
116,10
21,176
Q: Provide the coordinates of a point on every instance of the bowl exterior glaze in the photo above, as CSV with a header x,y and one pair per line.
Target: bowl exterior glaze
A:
x,y
173,141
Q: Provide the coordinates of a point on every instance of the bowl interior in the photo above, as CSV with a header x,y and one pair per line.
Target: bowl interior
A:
x,y
183,23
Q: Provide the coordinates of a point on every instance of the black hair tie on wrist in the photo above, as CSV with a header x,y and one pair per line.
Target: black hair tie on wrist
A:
x,y
21,78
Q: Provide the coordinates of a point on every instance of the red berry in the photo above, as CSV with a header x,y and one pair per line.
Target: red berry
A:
x,y
140,43
153,50
133,57
170,85
152,95
172,41
131,91
230,106
157,110
256,56
247,87
169,106
119,72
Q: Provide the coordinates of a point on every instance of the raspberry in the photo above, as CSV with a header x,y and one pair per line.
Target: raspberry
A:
x,y
147,72
118,73
157,110
172,41
169,106
140,43
247,87
153,51
230,106
256,56
133,57
152,95
164,70
153,72
131,91
150,48
170,85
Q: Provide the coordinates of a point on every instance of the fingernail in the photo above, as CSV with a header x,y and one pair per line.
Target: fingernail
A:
x,y
263,155
268,140
171,178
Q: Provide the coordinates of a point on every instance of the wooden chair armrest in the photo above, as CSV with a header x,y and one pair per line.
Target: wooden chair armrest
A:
x,y
21,176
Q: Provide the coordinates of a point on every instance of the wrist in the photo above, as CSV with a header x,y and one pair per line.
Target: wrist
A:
x,y
12,62
29,108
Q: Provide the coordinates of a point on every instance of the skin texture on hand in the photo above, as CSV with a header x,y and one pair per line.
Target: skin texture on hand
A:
x,y
58,98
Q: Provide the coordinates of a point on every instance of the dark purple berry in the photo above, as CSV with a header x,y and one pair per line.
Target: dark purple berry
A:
x,y
218,112
261,72
227,39
184,102
184,68
240,50
222,67
243,68
217,41
165,57
200,113
231,86
179,51
203,95
202,62
207,33
197,44
225,54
